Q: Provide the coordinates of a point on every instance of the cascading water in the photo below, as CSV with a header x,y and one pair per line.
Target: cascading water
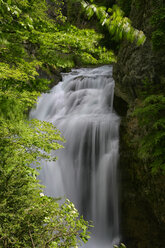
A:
x,y
81,107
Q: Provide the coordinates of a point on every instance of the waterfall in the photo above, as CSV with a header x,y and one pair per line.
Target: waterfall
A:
x,y
81,107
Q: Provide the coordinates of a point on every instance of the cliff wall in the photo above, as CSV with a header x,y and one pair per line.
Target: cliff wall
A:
x,y
142,193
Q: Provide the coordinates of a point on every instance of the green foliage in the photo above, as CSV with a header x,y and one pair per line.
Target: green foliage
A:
x,y
14,104
30,219
152,143
115,22
65,47
27,217
26,29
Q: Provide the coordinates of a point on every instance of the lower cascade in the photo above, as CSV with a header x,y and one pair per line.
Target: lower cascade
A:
x,y
81,107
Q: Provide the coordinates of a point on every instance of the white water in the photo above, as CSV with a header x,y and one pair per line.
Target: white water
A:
x,y
81,107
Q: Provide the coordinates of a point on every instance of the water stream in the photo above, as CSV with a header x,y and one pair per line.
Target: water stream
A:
x,y
81,107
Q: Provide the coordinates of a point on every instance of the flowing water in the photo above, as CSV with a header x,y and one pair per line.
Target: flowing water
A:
x,y
81,107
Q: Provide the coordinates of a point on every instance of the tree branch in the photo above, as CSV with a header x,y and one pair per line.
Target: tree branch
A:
x,y
33,245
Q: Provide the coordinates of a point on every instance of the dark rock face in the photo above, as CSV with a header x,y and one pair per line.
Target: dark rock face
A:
x,y
142,194
139,64
120,106
134,65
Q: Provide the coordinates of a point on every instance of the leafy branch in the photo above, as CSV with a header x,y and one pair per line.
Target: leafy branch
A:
x,y
113,19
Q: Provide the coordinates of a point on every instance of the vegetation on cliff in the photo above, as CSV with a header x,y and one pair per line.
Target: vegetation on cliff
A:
x,y
139,75
151,118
